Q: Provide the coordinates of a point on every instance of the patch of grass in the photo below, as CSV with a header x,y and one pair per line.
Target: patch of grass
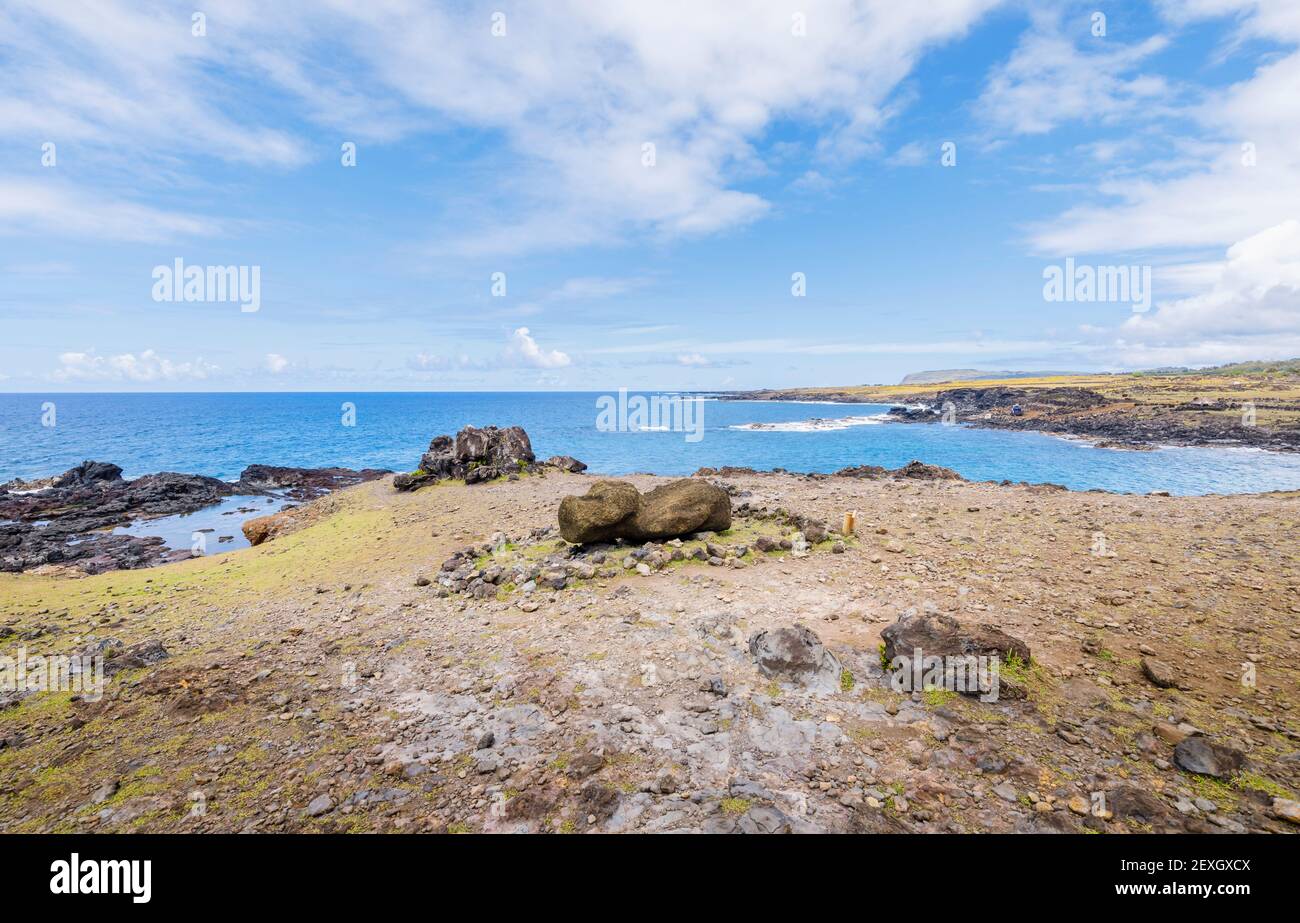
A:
x,y
735,805
1249,781
1220,793
846,681
936,698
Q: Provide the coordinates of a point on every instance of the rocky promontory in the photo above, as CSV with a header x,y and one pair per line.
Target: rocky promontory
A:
x,y
1215,407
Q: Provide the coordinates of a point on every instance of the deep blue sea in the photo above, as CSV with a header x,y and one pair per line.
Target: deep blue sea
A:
x,y
219,434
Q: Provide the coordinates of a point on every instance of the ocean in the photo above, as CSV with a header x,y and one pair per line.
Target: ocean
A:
x,y
219,434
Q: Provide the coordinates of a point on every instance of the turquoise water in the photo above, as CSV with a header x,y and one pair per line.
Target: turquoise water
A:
x,y
219,434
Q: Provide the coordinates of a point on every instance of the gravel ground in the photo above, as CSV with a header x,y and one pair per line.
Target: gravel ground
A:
x,y
311,683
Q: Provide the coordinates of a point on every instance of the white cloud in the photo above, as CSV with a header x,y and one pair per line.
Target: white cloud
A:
x,y
1213,196
1050,80
432,362
65,209
914,154
1229,182
525,349
1256,292
131,76
575,89
1247,307
276,363
594,287
692,359
148,366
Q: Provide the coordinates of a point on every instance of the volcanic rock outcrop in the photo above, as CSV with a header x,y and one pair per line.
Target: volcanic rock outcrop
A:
x,y
68,519
479,454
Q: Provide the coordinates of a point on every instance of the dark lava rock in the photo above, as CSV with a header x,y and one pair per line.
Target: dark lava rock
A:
x,y
942,635
939,635
140,655
973,400
68,522
795,654
616,509
872,472
598,799
921,471
1159,673
478,455
89,472
914,469
1132,802
566,463
302,483
1202,756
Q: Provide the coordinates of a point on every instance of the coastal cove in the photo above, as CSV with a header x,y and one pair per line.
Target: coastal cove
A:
x,y
219,434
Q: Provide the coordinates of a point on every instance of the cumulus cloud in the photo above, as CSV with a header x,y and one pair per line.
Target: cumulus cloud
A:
x,y
1246,306
576,90
1050,80
1257,291
147,366
276,363
525,349
1239,177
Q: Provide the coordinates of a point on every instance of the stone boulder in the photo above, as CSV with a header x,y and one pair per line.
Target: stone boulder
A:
x,y
602,515
263,528
794,654
680,508
1206,758
1133,802
942,635
566,463
616,509
1159,673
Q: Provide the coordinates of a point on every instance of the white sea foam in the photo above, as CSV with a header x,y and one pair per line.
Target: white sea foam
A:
x,y
815,425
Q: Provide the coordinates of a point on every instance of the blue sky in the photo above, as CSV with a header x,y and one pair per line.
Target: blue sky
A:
x,y
782,145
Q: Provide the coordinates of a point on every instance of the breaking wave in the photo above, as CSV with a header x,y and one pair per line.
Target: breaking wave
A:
x,y
815,425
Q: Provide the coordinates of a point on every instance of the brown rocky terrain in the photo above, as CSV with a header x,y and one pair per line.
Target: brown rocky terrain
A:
x,y
328,679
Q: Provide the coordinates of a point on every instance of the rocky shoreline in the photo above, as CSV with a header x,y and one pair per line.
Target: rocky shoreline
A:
x,y
68,520
1071,411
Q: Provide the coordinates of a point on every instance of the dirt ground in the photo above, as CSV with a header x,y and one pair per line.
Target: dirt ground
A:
x,y
312,685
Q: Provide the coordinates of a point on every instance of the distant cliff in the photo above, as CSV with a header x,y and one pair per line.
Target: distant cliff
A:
x,y
942,375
